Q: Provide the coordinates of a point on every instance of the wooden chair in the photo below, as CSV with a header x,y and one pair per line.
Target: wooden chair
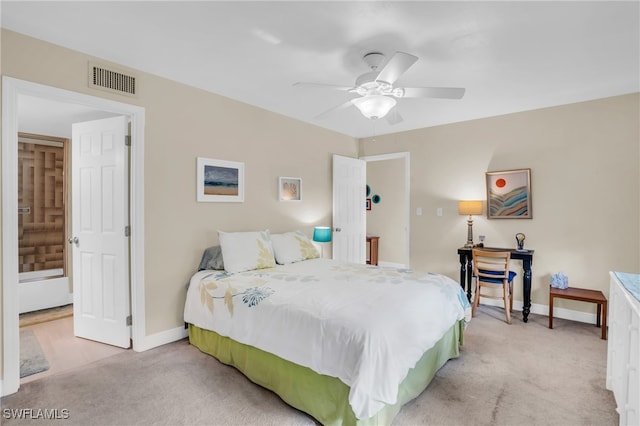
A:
x,y
491,269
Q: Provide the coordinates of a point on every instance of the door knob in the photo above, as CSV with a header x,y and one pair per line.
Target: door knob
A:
x,y
74,240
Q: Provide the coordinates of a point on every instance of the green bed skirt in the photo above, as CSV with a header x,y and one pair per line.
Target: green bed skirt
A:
x,y
323,397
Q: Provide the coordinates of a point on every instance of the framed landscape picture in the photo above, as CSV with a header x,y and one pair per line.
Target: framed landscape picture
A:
x,y
509,194
219,180
289,189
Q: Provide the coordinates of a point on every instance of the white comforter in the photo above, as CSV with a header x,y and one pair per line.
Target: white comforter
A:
x,y
365,325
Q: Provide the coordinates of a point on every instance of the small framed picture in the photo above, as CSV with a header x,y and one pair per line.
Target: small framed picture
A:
x,y
289,189
509,194
219,180
367,203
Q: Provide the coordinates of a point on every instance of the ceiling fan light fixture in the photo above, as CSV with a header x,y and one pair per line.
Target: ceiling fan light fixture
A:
x,y
374,106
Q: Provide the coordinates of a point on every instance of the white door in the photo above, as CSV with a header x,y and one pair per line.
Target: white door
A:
x,y
100,247
349,215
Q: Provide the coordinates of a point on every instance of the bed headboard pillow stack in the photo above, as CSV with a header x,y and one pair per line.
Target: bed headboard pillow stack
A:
x,y
246,251
293,247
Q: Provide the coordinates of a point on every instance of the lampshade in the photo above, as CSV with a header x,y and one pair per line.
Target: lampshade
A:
x,y
470,207
374,106
322,234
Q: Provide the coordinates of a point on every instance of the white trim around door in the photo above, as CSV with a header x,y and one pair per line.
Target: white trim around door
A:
x,y
12,89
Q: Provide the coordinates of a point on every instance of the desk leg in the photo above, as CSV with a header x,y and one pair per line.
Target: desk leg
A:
x,y
464,273
469,273
526,283
604,320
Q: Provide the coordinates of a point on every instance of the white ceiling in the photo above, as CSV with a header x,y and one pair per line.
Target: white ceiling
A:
x,y
510,56
53,118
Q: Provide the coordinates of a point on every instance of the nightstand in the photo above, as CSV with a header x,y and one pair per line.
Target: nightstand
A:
x,y
372,241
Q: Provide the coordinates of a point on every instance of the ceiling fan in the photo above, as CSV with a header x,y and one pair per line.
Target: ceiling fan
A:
x,y
376,94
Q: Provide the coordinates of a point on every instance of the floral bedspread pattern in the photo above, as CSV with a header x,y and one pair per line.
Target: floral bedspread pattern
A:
x,y
366,325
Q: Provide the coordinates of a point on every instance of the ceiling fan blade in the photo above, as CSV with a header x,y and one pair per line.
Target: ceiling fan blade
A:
x,y
397,65
394,117
334,109
434,92
323,86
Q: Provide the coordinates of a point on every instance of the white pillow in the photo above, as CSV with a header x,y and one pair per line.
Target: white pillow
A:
x,y
293,247
245,251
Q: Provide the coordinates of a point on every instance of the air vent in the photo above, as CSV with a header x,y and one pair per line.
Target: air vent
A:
x,y
111,80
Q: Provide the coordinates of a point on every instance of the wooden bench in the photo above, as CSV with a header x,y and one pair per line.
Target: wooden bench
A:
x,y
583,295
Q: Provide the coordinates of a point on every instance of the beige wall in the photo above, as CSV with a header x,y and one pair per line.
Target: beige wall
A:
x,y
585,162
183,123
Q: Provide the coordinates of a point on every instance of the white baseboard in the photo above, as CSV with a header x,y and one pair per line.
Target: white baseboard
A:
x,y
544,310
159,339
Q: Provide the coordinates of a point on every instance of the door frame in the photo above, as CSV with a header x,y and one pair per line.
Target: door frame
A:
x,y
407,182
12,89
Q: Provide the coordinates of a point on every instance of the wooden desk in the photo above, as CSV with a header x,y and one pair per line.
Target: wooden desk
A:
x,y
373,250
466,269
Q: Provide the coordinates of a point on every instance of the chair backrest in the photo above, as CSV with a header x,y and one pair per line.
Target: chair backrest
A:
x,y
491,266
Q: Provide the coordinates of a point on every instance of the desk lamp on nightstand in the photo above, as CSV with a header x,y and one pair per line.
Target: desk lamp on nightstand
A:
x,y
470,208
322,234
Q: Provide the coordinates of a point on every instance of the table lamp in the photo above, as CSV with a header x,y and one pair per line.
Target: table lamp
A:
x,y
322,234
470,208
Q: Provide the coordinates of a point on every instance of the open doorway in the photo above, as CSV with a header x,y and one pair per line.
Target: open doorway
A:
x,y
15,92
42,221
48,334
388,207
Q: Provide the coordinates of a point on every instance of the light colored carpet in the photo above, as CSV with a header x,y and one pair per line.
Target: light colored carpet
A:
x,y
32,359
506,375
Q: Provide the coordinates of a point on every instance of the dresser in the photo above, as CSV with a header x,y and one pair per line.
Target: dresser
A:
x,y
623,359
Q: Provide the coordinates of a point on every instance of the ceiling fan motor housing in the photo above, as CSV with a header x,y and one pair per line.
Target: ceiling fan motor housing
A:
x,y
373,59
367,84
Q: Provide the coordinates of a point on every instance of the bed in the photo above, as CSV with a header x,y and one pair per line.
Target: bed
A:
x,y
345,343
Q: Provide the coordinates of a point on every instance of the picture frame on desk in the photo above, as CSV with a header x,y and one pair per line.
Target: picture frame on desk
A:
x,y
509,194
